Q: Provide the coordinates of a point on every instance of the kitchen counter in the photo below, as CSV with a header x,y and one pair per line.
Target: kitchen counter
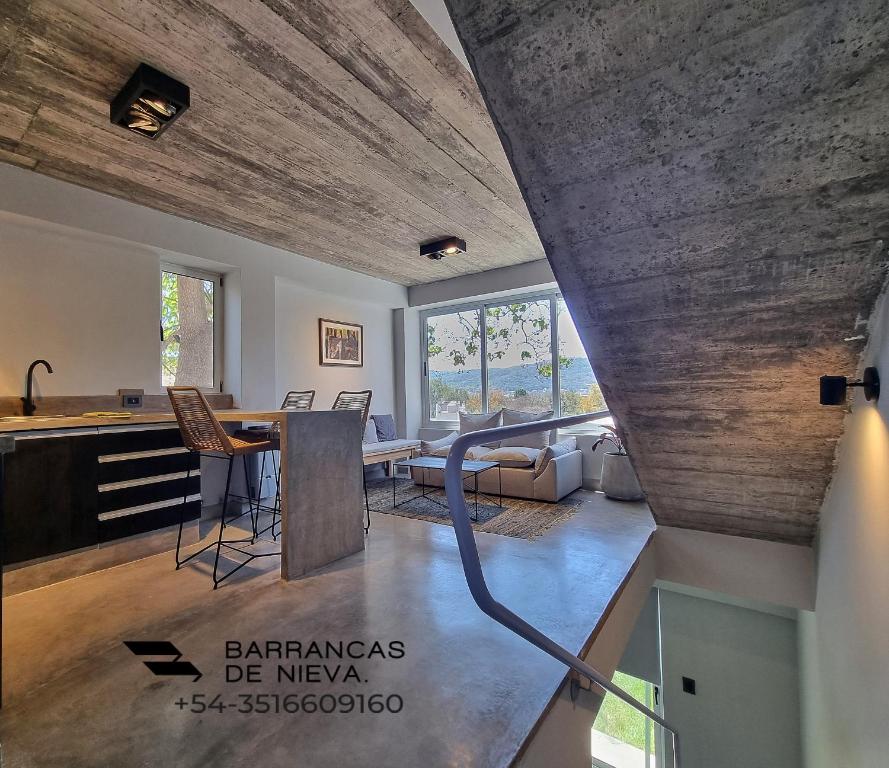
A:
x,y
12,424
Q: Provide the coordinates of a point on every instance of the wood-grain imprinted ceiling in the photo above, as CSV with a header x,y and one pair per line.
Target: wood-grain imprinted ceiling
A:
x,y
711,184
343,130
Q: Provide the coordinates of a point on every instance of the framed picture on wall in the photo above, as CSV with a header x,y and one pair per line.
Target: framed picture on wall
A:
x,y
341,343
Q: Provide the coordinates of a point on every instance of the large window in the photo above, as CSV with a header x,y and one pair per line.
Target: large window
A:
x,y
522,353
190,336
453,365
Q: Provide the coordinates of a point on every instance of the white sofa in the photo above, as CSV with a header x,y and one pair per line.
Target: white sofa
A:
x,y
545,472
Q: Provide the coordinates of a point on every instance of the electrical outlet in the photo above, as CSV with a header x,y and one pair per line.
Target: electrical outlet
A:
x,y
131,398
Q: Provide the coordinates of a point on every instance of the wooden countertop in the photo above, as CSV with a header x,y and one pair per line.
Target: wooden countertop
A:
x,y
31,423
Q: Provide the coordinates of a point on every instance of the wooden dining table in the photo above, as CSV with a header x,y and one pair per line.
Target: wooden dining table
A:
x,y
322,496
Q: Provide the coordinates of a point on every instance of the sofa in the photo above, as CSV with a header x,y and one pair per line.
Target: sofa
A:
x,y
381,444
536,466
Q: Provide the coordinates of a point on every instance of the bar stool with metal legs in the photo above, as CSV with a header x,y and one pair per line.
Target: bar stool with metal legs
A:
x,y
294,400
357,401
203,434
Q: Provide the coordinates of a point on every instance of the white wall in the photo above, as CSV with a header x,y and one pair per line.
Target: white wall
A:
x,y
297,311
116,244
745,713
764,571
844,645
86,304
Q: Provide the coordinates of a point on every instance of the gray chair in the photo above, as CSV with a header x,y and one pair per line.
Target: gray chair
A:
x,y
357,401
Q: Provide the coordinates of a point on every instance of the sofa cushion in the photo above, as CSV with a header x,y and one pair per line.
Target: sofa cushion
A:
x,y
428,447
369,449
512,457
545,456
370,432
472,422
385,425
474,453
535,439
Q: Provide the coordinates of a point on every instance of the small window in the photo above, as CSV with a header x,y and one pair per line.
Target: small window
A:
x,y
190,331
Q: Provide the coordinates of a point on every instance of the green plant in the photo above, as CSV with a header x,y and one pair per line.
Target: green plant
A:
x,y
611,436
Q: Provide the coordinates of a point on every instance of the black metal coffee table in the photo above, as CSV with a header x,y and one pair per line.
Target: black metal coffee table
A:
x,y
469,468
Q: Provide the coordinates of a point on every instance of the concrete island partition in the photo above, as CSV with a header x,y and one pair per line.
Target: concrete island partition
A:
x,y
322,502
322,492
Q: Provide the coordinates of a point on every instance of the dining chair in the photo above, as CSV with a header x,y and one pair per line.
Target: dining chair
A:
x,y
357,401
203,434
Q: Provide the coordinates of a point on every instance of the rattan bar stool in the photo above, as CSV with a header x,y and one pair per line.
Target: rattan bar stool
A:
x,y
203,434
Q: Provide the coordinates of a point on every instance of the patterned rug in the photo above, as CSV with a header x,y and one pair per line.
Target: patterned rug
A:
x,y
519,518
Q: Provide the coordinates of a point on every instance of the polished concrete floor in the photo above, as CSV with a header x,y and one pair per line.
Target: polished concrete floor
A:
x,y
75,696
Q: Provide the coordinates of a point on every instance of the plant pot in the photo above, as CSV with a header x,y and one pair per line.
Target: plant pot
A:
x,y
619,481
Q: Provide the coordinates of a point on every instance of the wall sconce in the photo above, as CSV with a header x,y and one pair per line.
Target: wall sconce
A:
x,y
833,388
438,249
149,102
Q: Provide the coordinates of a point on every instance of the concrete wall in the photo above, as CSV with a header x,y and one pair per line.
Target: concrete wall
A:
x,y
843,644
77,265
745,713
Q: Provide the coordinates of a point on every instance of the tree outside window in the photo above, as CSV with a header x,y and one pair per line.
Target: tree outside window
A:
x,y
187,331
518,361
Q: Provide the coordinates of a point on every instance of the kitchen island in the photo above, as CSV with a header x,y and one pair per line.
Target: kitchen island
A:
x,y
84,480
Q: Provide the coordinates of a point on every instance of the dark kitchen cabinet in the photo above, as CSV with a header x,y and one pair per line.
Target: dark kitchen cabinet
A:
x,y
51,496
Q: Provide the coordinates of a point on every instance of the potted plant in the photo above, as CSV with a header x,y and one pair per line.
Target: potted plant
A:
x,y
619,481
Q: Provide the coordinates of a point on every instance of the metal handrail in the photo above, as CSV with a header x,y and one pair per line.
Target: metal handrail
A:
x,y
472,567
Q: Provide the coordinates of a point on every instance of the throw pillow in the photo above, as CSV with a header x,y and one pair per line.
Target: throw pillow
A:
x,y
512,457
429,447
551,451
473,422
385,427
537,440
370,432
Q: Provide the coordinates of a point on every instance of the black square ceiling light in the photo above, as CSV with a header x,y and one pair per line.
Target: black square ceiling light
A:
x,y
149,102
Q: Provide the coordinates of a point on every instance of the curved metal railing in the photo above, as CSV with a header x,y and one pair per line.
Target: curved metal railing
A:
x,y
475,578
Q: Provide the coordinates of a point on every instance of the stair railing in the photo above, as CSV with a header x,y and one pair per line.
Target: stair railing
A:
x,y
475,577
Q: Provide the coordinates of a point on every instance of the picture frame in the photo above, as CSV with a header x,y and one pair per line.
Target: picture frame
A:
x,y
340,343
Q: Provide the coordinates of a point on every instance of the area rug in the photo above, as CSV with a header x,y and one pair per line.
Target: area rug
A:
x,y
519,518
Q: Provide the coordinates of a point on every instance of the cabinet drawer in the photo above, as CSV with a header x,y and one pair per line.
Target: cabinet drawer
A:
x,y
117,525
161,463
146,490
151,438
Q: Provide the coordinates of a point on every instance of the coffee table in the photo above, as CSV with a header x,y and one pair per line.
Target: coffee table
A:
x,y
469,468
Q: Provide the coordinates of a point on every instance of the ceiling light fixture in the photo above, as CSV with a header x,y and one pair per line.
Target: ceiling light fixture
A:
x,y
438,249
833,388
149,102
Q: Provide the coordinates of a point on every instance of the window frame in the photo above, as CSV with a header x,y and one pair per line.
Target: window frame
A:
x,y
218,307
552,295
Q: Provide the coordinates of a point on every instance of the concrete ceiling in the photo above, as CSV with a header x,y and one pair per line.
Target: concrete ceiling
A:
x,y
711,184
344,130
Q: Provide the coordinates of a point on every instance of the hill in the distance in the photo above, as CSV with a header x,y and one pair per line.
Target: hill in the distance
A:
x,y
577,376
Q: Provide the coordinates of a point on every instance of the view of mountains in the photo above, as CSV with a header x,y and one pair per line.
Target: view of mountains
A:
x,y
577,376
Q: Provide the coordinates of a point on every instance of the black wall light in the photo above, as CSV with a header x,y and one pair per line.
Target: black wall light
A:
x,y
149,102
438,249
833,388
